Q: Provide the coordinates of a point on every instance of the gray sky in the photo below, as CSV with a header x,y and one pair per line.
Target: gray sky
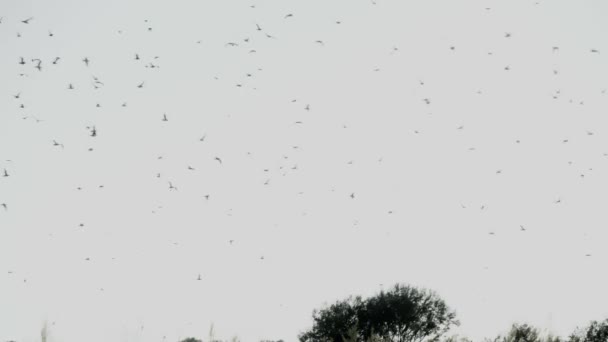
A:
x,y
283,189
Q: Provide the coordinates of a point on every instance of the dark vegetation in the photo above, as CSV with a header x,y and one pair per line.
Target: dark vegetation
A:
x,y
407,314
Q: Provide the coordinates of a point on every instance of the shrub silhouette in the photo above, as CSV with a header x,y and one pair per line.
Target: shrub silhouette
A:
x,y
402,314
191,339
520,333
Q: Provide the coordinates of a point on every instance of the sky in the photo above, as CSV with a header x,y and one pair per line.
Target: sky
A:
x,y
294,153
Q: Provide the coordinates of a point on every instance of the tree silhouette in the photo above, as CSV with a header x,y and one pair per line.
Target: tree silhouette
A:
x,y
403,314
522,333
595,332
334,323
191,339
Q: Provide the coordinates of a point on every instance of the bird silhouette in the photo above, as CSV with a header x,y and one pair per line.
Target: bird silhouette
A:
x,y
39,65
165,117
27,21
4,206
5,173
56,60
218,159
21,61
86,61
171,187
141,85
288,16
522,228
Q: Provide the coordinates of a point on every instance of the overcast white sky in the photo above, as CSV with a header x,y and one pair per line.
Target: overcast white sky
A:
x,y
420,172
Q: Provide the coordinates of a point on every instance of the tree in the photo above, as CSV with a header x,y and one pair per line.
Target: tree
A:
x,y
403,314
191,339
595,332
522,333
334,322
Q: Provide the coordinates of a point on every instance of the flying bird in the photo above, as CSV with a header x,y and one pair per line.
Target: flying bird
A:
x,y
218,159
141,85
22,61
288,16
27,21
39,65
86,61
171,187
522,228
5,173
165,117
56,60
4,206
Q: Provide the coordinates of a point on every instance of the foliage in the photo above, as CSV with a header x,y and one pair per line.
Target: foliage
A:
x,y
403,314
595,332
191,339
333,323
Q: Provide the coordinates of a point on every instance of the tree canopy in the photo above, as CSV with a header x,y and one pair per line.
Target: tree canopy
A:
x,y
402,314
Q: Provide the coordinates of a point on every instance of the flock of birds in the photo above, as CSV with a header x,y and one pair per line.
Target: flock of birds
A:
x,y
24,66
96,83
